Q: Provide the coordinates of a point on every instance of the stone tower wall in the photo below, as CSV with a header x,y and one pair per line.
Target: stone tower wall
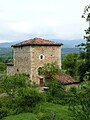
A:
x,y
10,70
22,59
27,59
49,53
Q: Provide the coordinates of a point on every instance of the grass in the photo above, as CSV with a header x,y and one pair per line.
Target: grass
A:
x,y
22,116
46,109
60,111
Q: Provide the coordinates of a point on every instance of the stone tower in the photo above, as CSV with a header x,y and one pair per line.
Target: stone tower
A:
x,y
32,54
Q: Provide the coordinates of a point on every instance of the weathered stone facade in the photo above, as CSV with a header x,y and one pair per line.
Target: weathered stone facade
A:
x,y
28,58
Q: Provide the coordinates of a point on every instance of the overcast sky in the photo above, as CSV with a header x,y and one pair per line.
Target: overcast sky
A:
x,y
49,19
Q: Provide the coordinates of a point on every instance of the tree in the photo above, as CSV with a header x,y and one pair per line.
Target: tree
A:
x,y
70,63
11,84
80,104
86,46
19,95
49,69
2,67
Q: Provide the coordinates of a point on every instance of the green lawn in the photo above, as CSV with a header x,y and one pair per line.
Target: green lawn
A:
x,y
46,109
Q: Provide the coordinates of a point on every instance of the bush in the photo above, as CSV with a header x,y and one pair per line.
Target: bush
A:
x,y
20,95
49,69
80,105
11,84
2,66
48,116
3,112
27,100
56,92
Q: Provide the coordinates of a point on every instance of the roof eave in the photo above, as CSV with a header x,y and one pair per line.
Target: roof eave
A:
x,y
37,45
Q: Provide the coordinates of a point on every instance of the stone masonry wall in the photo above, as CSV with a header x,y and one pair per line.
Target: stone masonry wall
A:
x,y
50,54
27,59
22,59
10,70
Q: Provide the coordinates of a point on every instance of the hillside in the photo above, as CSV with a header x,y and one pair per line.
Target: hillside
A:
x,y
66,51
7,44
70,43
5,51
8,51
68,47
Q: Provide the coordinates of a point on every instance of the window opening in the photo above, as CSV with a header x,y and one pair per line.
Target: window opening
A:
x,y
41,57
41,82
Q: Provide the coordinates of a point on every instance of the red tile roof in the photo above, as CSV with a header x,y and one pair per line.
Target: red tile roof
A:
x,y
10,63
37,41
65,79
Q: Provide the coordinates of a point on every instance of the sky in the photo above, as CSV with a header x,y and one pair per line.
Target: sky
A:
x,y
48,19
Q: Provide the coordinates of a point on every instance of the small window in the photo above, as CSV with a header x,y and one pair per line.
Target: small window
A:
x,y
41,57
41,82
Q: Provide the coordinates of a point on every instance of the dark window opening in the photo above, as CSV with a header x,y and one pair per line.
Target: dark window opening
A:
x,y
41,82
17,70
41,57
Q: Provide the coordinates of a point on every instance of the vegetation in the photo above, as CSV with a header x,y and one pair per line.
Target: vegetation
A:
x,y
27,102
19,96
46,111
22,116
19,99
86,46
2,66
80,103
49,69
70,63
6,52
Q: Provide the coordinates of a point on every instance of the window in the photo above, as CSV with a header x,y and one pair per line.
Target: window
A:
x,y
41,56
41,82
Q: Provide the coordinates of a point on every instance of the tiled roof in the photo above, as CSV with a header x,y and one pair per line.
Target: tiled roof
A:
x,y
37,41
10,63
65,79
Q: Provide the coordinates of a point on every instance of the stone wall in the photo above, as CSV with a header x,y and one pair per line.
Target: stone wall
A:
x,y
49,54
28,59
22,59
10,70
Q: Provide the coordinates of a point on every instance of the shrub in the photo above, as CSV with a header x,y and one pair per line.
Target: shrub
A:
x,y
27,99
49,69
20,96
56,92
3,112
11,84
80,105
48,116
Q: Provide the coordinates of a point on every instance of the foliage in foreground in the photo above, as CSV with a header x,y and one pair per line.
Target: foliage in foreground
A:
x,y
19,97
22,116
46,111
80,103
